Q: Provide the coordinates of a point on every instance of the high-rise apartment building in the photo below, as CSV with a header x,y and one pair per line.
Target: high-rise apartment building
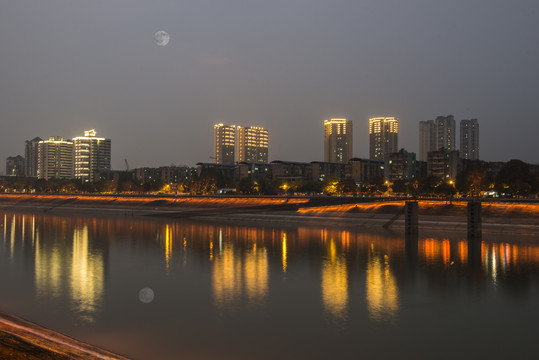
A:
x,y
92,155
55,159
445,133
225,143
427,138
252,144
31,156
383,137
469,139
338,140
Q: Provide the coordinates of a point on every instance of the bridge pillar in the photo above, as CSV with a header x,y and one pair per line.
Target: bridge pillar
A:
x,y
474,220
410,217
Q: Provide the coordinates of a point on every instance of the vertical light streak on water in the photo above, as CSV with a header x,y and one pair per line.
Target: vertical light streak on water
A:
x,y
168,247
86,278
284,251
5,226
382,290
226,278
485,253
12,241
33,230
23,223
494,269
49,268
256,275
446,251
220,240
334,284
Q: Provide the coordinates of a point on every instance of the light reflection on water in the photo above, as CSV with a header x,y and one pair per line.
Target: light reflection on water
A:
x,y
89,270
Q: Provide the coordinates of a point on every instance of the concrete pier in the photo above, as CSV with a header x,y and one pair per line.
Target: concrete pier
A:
x,y
410,217
474,220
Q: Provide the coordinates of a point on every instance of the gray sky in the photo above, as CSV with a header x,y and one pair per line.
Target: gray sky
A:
x,y
71,65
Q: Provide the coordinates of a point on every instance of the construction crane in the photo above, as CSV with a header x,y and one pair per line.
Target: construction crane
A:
x,y
126,166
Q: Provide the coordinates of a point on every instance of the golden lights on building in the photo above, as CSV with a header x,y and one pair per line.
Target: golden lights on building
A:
x,y
225,143
383,137
92,155
338,140
252,144
55,159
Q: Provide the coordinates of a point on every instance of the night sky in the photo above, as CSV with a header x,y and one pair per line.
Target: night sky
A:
x,y
70,65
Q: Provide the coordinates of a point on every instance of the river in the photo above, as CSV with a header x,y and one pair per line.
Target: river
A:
x,y
168,289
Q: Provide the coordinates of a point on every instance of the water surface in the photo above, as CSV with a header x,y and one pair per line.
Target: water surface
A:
x,y
236,292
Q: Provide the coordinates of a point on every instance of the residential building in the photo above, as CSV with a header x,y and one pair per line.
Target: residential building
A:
x,y
325,170
253,144
92,156
469,139
15,166
217,171
364,170
290,170
225,143
443,164
55,159
400,166
427,138
337,140
254,170
383,137
445,133
31,156
176,174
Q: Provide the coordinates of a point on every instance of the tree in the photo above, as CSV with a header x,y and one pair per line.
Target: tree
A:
x,y
473,180
349,186
399,187
427,185
515,179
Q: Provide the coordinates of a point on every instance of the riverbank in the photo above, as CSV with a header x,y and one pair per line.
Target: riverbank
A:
x,y
498,216
21,339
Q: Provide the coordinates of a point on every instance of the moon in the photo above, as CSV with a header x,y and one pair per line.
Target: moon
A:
x,y
161,38
146,295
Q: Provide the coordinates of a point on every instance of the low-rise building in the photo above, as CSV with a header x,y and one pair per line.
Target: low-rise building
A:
x,y
254,170
15,166
290,170
326,170
400,166
364,170
443,164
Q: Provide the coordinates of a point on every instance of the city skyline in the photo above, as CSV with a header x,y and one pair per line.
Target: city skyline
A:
x,y
432,137
96,65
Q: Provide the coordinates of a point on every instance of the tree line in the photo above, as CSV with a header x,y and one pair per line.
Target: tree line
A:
x,y
515,179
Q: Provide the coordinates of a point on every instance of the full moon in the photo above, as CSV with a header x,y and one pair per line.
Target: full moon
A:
x,y
146,295
161,38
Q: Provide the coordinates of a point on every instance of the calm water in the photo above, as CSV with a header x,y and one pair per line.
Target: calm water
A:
x,y
235,292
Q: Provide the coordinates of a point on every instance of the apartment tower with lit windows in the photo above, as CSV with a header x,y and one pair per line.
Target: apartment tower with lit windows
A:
x,y
338,140
427,139
252,144
383,137
55,159
225,143
469,139
445,133
92,156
